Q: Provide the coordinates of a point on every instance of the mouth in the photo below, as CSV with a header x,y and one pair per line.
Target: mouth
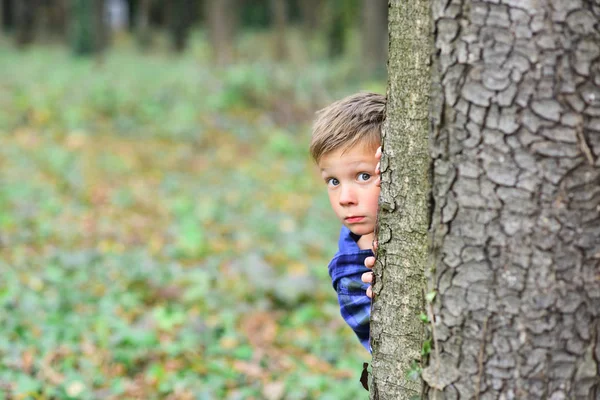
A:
x,y
353,220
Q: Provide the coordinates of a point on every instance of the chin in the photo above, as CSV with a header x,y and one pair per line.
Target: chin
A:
x,y
361,230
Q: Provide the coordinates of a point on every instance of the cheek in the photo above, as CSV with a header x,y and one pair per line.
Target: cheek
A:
x,y
373,201
332,199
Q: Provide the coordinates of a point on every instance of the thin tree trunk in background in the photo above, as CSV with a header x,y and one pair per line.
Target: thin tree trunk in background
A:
x,y
279,18
516,189
81,27
24,21
42,27
222,20
310,15
312,22
88,27
9,15
58,18
143,33
396,330
2,14
180,14
101,36
335,26
375,36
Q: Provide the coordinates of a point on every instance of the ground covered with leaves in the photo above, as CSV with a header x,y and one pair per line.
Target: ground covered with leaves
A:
x,y
163,233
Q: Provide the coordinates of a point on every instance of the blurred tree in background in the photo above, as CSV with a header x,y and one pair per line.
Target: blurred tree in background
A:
x,y
222,25
88,25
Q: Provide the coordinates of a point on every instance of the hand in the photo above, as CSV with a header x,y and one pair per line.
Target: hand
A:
x,y
378,167
367,277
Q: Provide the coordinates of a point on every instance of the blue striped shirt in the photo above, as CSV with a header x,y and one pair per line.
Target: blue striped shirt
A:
x,y
346,269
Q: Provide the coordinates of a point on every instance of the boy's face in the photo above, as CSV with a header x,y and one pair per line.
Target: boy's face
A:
x,y
351,185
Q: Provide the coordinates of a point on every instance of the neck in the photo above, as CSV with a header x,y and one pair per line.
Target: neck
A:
x,y
366,241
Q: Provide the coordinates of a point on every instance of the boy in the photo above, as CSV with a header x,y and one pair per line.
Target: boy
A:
x,y
345,145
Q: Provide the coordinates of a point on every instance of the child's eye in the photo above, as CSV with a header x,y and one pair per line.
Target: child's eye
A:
x,y
332,182
363,176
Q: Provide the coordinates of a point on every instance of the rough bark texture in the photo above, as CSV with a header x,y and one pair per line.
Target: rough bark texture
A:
x,y
396,331
517,197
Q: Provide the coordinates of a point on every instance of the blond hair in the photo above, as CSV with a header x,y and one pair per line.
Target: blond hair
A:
x,y
342,125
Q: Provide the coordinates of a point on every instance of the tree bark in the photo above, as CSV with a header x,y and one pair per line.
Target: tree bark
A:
x,y
375,36
396,330
516,187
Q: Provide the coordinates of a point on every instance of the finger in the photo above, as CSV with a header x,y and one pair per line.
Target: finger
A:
x,y
378,168
367,277
378,180
375,246
378,152
370,262
369,292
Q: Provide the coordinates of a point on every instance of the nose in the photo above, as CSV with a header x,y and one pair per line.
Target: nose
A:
x,y
347,195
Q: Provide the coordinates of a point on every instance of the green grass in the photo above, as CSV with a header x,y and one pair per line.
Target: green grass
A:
x,y
163,233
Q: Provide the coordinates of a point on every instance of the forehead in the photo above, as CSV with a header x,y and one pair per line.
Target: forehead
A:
x,y
348,156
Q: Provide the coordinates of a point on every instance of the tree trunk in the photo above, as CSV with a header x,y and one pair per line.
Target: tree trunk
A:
x,y
101,36
279,22
8,15
58,19
85,30
222,23
396,330
2,17
142,25
180,14
309,10
516,184
375,36
24,22
335,26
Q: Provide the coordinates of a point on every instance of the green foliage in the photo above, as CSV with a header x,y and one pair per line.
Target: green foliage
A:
x,y
414,372
426,347
430,296
162,233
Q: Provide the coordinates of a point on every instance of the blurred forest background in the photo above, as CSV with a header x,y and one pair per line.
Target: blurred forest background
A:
x,y
163,233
